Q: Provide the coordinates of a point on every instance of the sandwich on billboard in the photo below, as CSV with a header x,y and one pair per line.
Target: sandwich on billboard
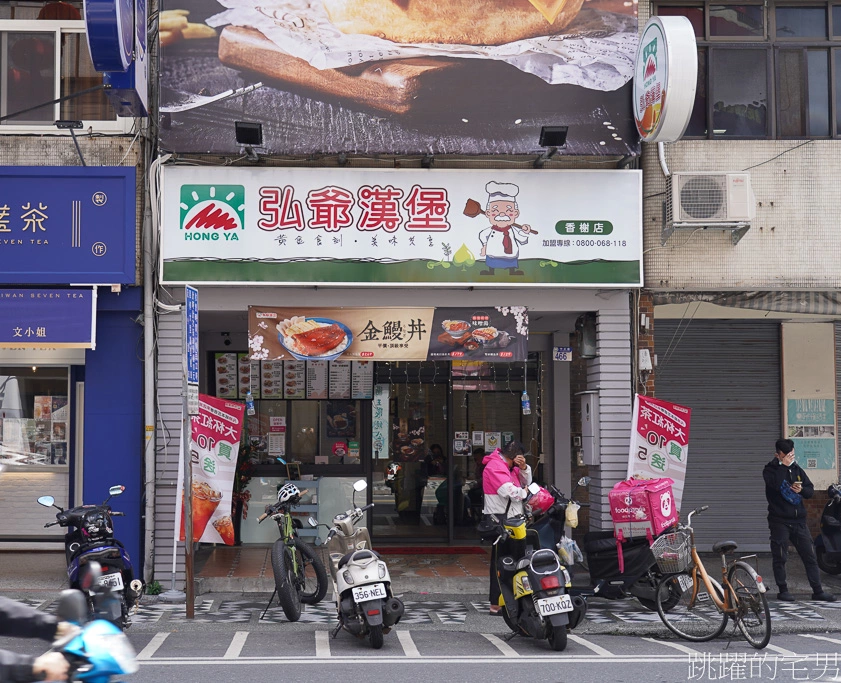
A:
x,y
398,76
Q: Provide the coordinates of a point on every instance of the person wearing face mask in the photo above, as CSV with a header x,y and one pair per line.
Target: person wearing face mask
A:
x,y
786,485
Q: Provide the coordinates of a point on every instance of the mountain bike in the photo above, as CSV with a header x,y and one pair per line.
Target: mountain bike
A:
x,y
299,574
704,605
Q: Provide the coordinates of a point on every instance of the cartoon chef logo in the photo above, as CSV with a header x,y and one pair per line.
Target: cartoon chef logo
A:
x,y
502,239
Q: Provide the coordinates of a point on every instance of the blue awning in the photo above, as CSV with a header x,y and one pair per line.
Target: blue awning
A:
x,y
48,318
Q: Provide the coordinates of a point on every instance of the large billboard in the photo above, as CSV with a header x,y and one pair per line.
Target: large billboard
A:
x,y
401,227
398,76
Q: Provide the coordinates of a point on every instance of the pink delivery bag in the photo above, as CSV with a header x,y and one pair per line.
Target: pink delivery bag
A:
x,y
642,507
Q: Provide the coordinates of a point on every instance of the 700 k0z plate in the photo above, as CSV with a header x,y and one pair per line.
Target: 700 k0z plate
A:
x,y
554,605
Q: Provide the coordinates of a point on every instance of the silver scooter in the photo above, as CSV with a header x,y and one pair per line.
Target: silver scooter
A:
x,y
365,603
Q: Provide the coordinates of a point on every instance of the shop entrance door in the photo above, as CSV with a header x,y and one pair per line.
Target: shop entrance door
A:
x,y
410,487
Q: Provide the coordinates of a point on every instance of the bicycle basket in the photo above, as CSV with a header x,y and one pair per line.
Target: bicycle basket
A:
x,y
673,552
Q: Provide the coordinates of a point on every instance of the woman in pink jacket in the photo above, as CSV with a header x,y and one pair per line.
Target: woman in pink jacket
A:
x,y
504,481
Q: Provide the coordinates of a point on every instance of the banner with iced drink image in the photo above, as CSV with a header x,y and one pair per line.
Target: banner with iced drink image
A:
x,y
214,448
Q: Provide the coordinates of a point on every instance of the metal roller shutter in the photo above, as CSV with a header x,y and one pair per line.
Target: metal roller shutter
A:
x,y
728,372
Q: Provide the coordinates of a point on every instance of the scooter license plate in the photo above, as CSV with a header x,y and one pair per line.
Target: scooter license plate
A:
x,y
554,605
376,591
112,580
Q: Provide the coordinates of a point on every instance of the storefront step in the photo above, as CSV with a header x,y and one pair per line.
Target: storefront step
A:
x,y
404,584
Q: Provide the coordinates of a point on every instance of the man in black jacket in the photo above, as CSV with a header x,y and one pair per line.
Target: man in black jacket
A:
x,y
25,622
786,485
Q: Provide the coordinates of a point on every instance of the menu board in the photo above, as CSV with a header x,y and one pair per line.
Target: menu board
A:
x,y
249,376
317,379
363,379
271,384
226,375
294,379
340,379
276,438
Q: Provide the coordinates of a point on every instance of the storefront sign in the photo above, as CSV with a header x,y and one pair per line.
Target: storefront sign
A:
x,y
659,442
666,64
326,334
67,225
48,318
562,353
389,77
380,426
402,227
214,448
811,425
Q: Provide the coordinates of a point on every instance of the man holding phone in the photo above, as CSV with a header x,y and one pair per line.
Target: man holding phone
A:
x,y
786,485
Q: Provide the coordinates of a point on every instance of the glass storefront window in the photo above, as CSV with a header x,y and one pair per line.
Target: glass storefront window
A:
x,y
35,416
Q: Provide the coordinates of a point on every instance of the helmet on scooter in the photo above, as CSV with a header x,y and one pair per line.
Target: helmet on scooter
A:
x,y
287,492
541,501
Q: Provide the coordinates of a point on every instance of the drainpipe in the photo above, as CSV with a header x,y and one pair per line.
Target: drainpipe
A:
x,y
661,154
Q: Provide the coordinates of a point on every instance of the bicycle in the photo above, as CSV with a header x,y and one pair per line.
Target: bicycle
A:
x,y
299,574
704,605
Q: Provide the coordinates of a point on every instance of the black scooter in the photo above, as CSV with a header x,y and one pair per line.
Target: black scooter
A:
x,y
641,575
828,542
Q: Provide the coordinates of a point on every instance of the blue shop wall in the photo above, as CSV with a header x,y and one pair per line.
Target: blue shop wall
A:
x,y
114,414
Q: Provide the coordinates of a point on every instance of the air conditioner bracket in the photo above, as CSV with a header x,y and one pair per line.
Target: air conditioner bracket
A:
x,y
738,230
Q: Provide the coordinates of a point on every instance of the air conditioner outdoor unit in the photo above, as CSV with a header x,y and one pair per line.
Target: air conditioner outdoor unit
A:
x,y
710,199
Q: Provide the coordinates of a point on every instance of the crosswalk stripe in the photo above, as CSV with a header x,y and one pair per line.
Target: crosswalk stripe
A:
x,y
501,645
675,646
237,643
322,644
598,649
408,644
781,650
153,645
828,640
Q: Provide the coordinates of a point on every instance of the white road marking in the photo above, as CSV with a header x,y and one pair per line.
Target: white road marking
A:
x,y
598,649
676,646
150,649
828,640
322,644
236,645
408,644
501,645
781,650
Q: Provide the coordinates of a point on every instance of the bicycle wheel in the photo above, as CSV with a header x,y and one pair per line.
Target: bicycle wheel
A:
x,y
753,615
697,621
284,581
313,573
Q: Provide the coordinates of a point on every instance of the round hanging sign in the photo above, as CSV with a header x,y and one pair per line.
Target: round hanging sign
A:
x,y
665,76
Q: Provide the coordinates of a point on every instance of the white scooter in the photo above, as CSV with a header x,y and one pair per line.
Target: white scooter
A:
x,y
361,582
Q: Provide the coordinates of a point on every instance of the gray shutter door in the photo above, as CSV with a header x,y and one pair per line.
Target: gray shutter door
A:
x,y
838,387
728,372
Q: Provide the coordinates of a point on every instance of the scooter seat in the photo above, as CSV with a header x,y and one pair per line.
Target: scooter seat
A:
x,y
362,554
725,547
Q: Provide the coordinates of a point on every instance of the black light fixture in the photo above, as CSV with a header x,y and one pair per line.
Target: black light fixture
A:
x,y
250,135
72,126
553,136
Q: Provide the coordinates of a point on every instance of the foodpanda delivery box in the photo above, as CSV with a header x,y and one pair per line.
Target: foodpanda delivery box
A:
x,y
642,507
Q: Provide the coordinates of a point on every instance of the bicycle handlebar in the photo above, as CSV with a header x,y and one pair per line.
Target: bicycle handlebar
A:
x,y
703,508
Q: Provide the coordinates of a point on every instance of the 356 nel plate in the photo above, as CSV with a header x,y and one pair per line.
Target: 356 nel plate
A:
x,y
374,591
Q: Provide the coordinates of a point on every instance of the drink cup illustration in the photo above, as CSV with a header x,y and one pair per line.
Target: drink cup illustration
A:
x,y
205,501
225,527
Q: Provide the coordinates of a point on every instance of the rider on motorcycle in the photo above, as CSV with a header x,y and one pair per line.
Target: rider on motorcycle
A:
x,y
26,622
504,481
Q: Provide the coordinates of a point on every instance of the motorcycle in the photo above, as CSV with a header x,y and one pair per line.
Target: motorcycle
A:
x,y
92,540
534,586
365,603
641,575
828,541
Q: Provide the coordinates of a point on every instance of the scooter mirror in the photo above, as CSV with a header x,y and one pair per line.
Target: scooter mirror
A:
x,y
46,501
534,488
116,490
313,522
584,481
72,606
360,485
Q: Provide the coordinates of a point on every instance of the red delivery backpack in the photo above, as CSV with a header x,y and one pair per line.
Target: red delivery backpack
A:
x,y
641,507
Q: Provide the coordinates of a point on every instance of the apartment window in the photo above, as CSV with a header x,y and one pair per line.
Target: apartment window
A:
x,y
766,70
44,56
